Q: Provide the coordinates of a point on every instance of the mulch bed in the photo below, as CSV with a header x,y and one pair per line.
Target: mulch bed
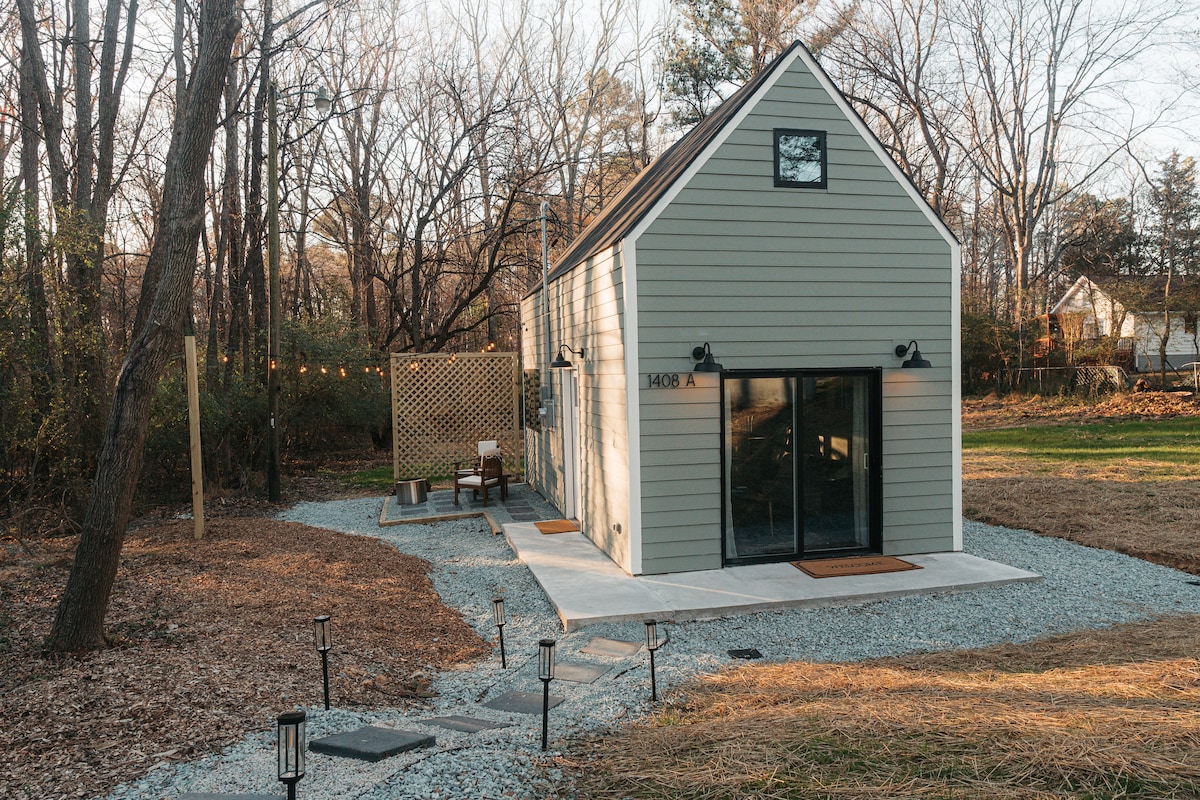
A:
x,y
211,640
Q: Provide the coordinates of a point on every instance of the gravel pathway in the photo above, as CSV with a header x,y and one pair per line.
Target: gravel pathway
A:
x,y
1081,588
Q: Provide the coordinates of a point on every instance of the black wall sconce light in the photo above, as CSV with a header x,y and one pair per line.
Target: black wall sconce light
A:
x,y
545,675
323,643
915,360
498,614
290,730
560,361
705,357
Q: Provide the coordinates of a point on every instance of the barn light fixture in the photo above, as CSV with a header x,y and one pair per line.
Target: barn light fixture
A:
x,y
290,729
498,613
560,361
324,644
652,645
705,357
915,360
545,674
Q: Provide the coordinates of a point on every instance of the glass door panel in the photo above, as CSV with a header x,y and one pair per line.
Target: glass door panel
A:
x,y
760,468
835,471
799,474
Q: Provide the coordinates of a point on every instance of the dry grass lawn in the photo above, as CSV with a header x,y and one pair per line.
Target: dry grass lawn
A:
x,y
1098,714
1144,508
213,640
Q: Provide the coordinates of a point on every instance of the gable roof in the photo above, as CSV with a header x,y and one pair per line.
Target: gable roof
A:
x,y
621,215
1138,288
642,195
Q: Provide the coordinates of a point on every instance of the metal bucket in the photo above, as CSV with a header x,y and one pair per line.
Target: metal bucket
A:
x,y
411,491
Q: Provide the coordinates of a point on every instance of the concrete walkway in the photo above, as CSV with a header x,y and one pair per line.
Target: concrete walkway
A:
x,y
587,588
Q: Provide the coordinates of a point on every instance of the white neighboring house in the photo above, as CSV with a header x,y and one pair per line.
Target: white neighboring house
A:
x,y
1095,297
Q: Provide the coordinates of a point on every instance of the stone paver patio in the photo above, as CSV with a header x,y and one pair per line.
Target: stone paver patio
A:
x,y
523,505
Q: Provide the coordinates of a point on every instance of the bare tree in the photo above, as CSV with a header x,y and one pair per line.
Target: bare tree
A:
x,y
81,159
1042,87
895,64
79,621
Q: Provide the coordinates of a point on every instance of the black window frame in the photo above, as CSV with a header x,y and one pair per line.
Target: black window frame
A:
x,y
875,479
823,182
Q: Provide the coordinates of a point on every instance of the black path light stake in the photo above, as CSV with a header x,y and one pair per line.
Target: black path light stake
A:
x,y
324,645
498,611
652,645
545,674
291,750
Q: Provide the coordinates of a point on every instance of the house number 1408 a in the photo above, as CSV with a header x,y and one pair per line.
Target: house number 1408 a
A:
x,y
670,380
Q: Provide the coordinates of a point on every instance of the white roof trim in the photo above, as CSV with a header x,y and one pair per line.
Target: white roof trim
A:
x,y
1078,286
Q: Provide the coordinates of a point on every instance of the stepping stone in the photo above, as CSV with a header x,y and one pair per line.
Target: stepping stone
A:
x,y
614,648
576,672
749,653
370,743
522,702
456,722
207,796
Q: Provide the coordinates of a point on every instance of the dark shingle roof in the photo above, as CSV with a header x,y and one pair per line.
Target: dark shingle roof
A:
x,y
625,211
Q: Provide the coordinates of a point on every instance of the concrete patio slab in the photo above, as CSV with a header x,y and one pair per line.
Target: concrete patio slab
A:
x,y
522,702
457,722
587,588
613,648
578,672
370,743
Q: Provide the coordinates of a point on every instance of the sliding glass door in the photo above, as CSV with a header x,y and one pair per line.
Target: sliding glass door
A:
x,y
801,471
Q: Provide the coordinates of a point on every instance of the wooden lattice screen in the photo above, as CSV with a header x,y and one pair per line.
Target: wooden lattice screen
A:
x,y
443,405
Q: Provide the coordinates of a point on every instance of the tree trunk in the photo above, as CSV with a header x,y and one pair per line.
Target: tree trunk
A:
x,y
79,622
42,378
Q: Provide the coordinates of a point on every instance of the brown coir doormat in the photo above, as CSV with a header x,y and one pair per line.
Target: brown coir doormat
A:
x,y
557,526
855,565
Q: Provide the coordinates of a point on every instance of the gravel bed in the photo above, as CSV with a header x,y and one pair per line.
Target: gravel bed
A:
x,y
1081,588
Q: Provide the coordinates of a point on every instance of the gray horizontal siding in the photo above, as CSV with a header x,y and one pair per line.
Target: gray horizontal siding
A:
x,y
720,264
870,248
778,278
653,565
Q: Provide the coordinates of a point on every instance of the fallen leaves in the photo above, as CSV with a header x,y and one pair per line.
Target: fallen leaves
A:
x,y
213,638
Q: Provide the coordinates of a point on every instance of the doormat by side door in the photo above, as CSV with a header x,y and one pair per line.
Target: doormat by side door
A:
x,y
557,526
853,565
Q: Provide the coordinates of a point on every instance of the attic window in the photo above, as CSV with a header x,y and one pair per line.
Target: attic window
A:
x,y
800,159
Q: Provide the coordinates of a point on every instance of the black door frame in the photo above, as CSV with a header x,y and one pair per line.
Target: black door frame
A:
x,y
875,471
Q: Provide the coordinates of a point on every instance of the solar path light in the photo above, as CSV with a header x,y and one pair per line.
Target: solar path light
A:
x,y
324,644
545,674
290,729
652,645
498,612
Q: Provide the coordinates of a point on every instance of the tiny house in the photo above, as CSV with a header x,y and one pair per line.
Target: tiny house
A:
x,y
752,353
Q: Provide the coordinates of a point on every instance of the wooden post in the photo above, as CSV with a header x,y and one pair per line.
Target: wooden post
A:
x,y
193,392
